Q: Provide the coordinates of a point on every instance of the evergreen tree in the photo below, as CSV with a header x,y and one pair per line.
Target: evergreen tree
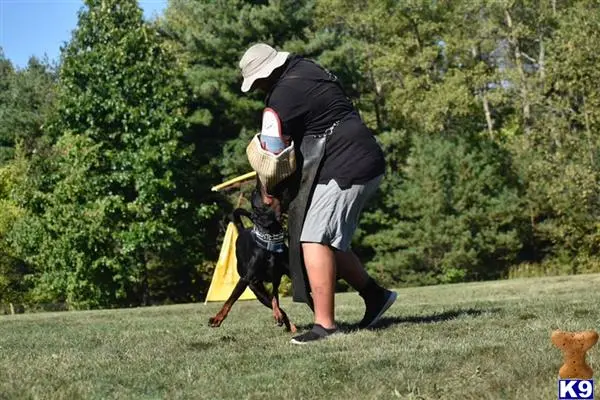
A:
x,y
455,216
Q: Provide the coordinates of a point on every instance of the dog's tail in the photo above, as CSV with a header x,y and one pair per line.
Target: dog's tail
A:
x,y
236,217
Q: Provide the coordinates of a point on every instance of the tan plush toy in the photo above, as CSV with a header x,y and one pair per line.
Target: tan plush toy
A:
x,y
574,346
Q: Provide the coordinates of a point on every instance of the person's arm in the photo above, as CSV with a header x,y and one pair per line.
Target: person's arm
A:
x,y
285,112
271,153
271,132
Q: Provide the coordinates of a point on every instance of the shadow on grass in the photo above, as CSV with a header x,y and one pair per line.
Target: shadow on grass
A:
x,y
201,345
387,322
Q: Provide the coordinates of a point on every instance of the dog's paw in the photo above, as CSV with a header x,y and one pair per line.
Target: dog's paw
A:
x,y
215,322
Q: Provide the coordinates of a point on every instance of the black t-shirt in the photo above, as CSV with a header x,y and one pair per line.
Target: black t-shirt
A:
x,y
308,100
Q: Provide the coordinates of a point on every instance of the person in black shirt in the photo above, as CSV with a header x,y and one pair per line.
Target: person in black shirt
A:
x,y
341,165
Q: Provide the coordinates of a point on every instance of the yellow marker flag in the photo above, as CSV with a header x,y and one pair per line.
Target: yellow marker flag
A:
x,y
226,276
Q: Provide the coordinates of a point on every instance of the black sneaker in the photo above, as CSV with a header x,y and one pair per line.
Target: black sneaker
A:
x,y
376,307
316,333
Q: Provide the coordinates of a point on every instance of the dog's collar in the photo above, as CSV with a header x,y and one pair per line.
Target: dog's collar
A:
x,y
274,243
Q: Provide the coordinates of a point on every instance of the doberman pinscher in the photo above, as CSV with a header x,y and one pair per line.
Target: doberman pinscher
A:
x,y
262,256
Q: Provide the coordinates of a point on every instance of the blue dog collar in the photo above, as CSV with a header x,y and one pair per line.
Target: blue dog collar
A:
x,y
272,243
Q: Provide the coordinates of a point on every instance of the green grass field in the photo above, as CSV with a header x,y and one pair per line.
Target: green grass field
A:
x,y
465,341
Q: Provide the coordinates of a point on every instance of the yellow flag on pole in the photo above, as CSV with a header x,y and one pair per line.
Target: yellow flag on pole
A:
x,y
226,276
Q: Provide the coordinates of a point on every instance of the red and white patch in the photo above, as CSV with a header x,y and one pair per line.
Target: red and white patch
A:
x,y
271,125
271,134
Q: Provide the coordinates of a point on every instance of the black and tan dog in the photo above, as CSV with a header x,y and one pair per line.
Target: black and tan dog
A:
x,y
262,256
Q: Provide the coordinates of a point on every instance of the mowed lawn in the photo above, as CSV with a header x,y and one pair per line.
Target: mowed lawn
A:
x,y
465,341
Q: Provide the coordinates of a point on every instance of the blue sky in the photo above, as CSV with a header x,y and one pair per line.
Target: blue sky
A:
x,y
38,27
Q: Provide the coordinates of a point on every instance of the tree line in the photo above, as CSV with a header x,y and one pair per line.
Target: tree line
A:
x,y
486,109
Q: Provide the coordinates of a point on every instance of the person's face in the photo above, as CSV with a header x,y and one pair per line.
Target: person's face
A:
x,y
262,85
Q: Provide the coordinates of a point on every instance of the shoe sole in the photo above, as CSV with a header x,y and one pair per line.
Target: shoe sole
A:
x,y
391,300
294,341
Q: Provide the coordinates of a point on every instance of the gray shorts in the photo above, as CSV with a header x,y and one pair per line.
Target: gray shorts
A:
x,y
333,214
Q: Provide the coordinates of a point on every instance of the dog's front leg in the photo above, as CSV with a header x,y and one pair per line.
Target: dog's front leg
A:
x,y
281,317
278,313
270,301
216,321
261,293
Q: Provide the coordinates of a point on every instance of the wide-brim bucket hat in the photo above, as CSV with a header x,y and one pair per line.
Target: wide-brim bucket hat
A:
x,y
258,62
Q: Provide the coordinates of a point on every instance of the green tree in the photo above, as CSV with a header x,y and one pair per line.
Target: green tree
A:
x,y
13,270
559,159
26,101
117,221
455,216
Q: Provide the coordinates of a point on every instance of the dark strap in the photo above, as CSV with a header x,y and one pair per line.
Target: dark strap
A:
x,y
309,157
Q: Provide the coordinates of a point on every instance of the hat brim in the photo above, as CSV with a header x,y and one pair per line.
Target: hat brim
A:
x,y
266,70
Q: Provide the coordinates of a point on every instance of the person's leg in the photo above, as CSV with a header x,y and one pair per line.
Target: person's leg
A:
x,y
349,266
350,269
321,269
330,223
377,299
319,260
